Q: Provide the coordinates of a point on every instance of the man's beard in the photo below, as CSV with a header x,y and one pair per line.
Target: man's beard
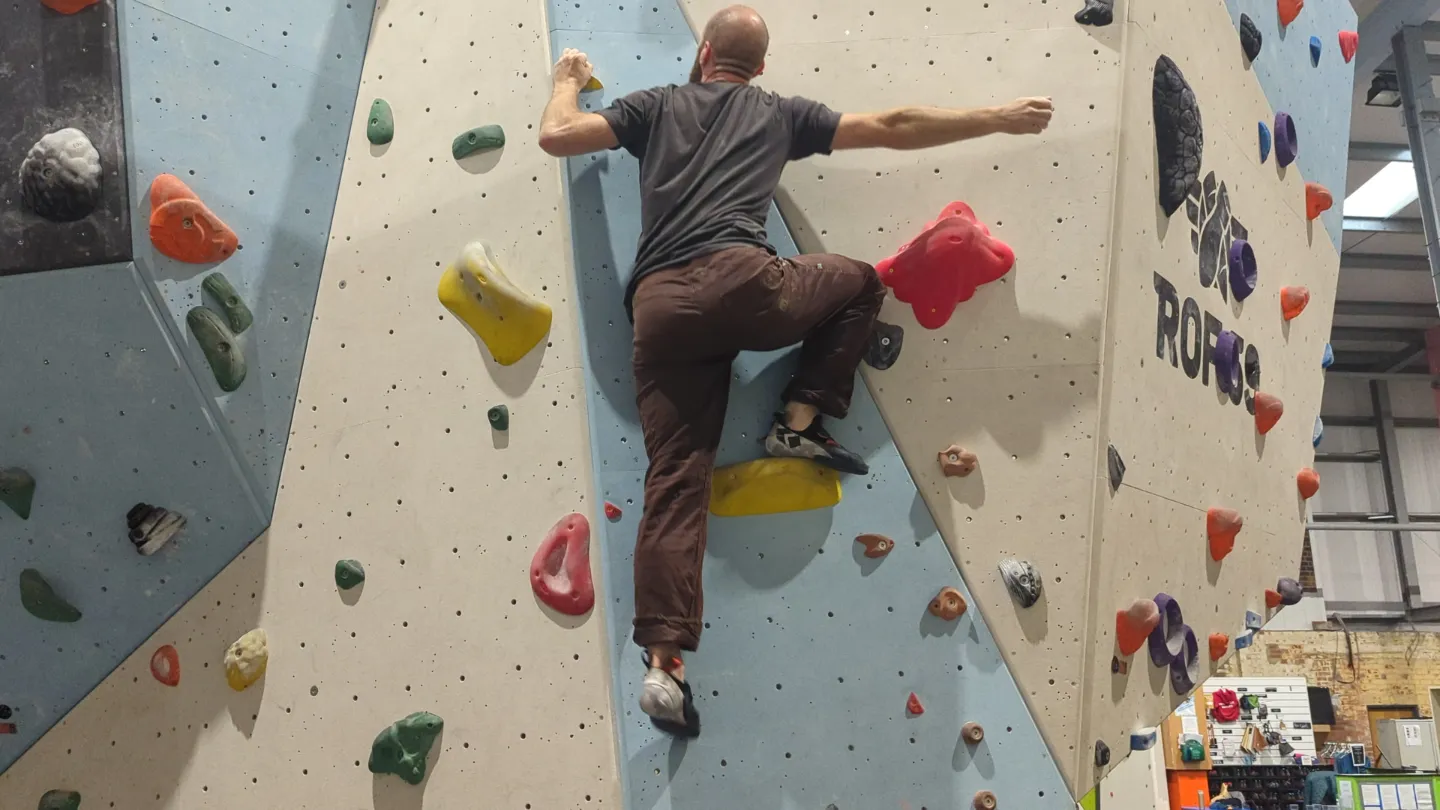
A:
x,y
695,73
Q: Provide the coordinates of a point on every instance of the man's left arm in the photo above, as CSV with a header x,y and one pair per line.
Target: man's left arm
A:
x,y
566,130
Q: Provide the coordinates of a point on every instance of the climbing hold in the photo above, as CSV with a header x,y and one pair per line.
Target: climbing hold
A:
x,y
876,545
68,7
1289,10
1328,358
41,601
1167,640
490,136
1222,525
17,490
1134,625
1022,580
1293,301
1179,136
560,569
972,733
60,177
1185,667
1219,645
1317,433
348,574
151,527
1244,640
1251,41
1349,43
984,800
499,417
182,228
60,799
1264,142
381,127
246,659
1253,621
1117,467
507,319
1315,47
401,749
769,486
1119,666
236,312
227,361
1308,482
957,462
1227,361
1096,12
1287,139
165,665
1244,272
912,705
1268,409
948,604
942,267
1317,200
1290,591
884,347
592,85
1102,754
1143,740
1272,598
612,511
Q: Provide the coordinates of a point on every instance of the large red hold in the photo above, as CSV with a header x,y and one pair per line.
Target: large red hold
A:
x,y
560,571
944,264
1349,43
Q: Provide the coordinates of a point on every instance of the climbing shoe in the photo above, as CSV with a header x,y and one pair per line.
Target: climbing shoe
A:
x,y
812,443
669,703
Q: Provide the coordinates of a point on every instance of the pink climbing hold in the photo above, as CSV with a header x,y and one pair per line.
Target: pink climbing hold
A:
x,y
612,511
165,665
1349,44
951,257
913,705
560,570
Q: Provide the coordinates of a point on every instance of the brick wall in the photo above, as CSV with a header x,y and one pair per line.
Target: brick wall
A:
x,y
1307,567
1389,669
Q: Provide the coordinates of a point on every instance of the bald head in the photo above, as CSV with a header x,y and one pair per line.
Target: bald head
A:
x,y
736,39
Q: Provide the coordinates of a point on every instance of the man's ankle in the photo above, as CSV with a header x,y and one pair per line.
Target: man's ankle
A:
x,y
799,416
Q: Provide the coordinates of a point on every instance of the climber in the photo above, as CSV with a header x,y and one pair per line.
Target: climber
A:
x,y
707,285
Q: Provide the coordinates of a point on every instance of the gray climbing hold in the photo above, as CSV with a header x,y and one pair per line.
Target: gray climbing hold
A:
x,y
1289,590
381,127
1250,39
60,800
227,361
401,748
1179,136
1022,580
41,601
60,177
884,347
490,136
1096,12
151,527
348,574
1117,468
17,491
1102,754
234,307
499,417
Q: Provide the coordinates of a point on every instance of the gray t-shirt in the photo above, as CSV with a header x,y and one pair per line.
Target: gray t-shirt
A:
x,y
710,158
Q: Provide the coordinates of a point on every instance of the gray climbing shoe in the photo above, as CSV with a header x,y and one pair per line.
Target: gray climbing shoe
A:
x,y
669,704
812,443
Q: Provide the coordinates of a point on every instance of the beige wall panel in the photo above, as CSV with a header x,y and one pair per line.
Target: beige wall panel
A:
x,y
392,462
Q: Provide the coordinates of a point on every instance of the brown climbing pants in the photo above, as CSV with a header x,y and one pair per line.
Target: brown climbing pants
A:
x,y
690,323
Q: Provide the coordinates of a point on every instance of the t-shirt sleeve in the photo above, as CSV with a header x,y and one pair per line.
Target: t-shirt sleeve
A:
x,y
812,127
630,118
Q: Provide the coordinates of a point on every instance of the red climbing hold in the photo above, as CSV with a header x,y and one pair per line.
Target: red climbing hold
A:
x,y
1272,598
943,265
182,228
1268,409
1293,301
1349,44
1134,624
913,705
1219,645
612,511
68,6
1308,482
1289,10
876,545
560,571
1318,200
1222,525
165,666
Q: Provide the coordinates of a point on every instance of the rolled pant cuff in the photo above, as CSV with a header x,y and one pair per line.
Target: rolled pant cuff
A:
x,y
827,404
682,633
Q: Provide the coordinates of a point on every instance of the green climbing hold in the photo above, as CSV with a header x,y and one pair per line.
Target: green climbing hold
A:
x,y
499,417
381,129
402,748
218,342
236,312
490,136
348,574
17,491
60,800
42,602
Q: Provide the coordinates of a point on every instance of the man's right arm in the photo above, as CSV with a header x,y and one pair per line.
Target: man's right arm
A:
x,y
924,127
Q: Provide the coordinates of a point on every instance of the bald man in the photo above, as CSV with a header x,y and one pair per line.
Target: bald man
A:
x,y
707,285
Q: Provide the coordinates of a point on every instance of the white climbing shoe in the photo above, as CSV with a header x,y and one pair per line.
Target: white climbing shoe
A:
x,y
669,704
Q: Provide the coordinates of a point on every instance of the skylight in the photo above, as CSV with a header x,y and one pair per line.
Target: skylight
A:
x,y
1388,192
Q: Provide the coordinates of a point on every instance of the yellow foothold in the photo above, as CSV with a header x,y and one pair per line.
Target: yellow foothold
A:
x,y
505,317
592,85
246,659
769,486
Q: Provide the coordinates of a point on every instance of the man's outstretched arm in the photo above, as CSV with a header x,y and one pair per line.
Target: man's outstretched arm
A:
x,y
565,130
923,127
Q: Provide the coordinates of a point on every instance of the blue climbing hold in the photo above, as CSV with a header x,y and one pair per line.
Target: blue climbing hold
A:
x,y
1319,432
1144,739
1264,142
1328,359
1315,51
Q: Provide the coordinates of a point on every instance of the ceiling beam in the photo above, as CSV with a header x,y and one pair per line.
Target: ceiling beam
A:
x,y
1381,25
1384,261
1379,152
1392,309
1385,225
1403,359
1375,334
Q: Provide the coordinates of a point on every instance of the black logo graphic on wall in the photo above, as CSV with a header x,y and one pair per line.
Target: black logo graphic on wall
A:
x,y
1213,229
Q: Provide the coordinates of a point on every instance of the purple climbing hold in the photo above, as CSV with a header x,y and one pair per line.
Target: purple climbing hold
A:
x,y
1243,271
1185,668
1167,640
1227,361
1264,142
1287,140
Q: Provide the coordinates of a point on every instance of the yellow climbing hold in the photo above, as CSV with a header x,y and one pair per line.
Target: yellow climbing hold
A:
x,y
505,317
592,85
769,486
245,660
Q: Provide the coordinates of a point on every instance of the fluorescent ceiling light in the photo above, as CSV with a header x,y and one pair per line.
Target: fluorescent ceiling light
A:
x,y
1388,192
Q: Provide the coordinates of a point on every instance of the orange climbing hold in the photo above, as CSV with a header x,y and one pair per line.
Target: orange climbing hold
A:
x,y
1134,624
68,6
1318,200
1219,645
951,257
1293,301
1289,10
1349,44
973,733
182,228
1308,482
876,545
165,665
612,511
1272,598
1268,410
957,462
1222,525
948,604
560,570
913,705
985,800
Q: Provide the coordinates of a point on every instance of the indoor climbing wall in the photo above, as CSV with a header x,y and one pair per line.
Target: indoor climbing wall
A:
x,y
393,462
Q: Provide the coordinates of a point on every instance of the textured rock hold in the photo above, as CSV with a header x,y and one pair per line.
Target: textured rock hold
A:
x,y
1268,410
60,799
499,417
1134,625
507,319
1244,270
1251,40
380,129
41,601
943,266
182,228
972,733
246,660
912,705
217,342
1349,43
1293,301
948,604
612,512
884,347
1264,142
1317,200
984,800
876,545
467,143
237,313
1116,466
165,665
1219,645
1022,580
1287,139
1315,48
560,569
61,176
1289,10
1096,12
1290,591
1222,525
402,748
348,574
1308,482
17,491
1179,135
151,527
770,486
957,462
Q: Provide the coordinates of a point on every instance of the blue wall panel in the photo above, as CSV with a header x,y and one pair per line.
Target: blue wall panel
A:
x,y
810,649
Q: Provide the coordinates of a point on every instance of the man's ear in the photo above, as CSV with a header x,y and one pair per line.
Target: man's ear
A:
x,y
760,70
707,55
